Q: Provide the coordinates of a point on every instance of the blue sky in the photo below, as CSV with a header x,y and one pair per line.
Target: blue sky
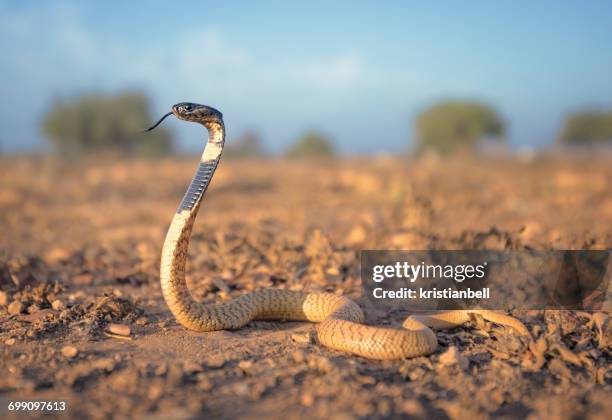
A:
x,y
358,71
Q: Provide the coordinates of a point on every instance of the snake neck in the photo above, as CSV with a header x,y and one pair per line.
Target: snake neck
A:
x,y
176,245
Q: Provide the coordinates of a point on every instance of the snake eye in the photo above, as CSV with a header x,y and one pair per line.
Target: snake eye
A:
x,y
187,107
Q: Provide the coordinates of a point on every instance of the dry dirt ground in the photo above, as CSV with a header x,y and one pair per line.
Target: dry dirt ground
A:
x,y
79,250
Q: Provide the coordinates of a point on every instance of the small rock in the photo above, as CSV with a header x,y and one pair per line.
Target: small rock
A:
x,y
453,356
145,251
322,364
10,342
155,391
58,305
106,364
215,362
32,309
119,329
413,408
204,382
190,367
80,295
301,338
357,236
298,356
241,389
3,298
333,271
268,361
15,308
142,321
416,373
58,254
69,351
245,365
307,399
367,380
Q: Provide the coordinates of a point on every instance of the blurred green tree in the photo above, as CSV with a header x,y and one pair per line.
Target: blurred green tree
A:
x,y
112,124
248,145
312,145
454,126
587,128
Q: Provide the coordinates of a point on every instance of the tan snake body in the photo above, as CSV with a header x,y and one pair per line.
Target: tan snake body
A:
x,y
339,320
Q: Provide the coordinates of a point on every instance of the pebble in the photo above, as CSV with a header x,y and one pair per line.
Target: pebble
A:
x,y
204,382
242,389
190,367
155,391
307,399
3,298
58,254
58,305
453,356
321,363
357,236
301,338
119,329
413,408
69,351
107,364
298,356
15,308
10,342
215,362
245,365
366,380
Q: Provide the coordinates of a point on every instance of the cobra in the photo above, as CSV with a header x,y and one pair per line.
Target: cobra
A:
x,y
339,320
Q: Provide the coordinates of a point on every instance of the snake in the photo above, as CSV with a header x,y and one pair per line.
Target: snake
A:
x,y
339,320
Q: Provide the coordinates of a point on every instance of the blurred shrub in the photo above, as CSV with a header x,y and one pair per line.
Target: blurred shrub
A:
x,y
248,145
312,145
454,126
587,128
105,123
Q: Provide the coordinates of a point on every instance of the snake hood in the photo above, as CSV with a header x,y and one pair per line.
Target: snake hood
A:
x,y
189,111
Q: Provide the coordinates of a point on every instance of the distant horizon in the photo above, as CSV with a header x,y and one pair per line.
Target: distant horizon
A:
x,y
591,151
281,69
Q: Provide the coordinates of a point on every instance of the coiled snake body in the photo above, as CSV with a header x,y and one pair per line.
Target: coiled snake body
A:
x,y
339,320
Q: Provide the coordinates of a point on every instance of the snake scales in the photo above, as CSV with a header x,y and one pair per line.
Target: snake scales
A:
x,y
339,320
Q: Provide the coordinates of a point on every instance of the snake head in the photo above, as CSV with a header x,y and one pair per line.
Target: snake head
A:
x,y
203,114
189,111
